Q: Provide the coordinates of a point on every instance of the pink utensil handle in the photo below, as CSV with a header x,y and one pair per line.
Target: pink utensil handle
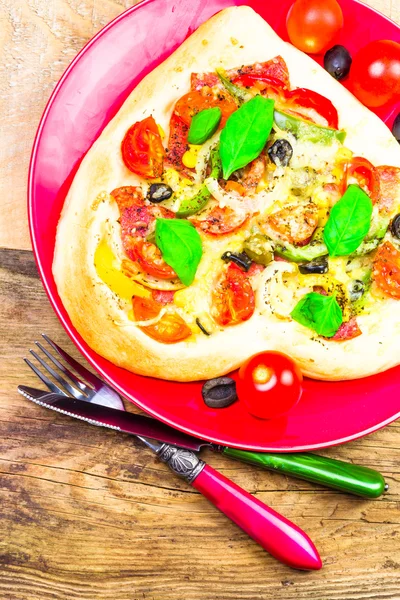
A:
x,y
276,534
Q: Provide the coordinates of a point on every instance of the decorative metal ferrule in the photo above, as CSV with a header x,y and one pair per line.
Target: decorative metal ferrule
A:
x,y
184,463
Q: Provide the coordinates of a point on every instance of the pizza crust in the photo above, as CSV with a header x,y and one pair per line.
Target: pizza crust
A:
x,y
233,37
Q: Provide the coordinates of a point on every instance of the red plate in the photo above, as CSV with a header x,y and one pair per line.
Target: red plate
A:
x,y
87,97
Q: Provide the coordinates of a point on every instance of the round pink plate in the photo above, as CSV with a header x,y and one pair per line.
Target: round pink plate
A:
x,y
87,97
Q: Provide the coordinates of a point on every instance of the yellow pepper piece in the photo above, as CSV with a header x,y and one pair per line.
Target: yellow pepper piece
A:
x,y
118,283
189,159
161,131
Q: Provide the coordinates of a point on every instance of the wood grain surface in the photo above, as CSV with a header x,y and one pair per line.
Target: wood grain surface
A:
x,y
88,514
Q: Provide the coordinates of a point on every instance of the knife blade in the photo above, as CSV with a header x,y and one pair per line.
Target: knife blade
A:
x,y
333,473
277,535
104,416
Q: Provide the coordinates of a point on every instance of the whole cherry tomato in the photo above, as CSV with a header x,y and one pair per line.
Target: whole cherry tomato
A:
x,y
375,73
313,24
269,384
171,328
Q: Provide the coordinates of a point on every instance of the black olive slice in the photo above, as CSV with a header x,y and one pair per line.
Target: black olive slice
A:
x,y
201,327
318,266
219,392
280,153
396,128
159,192
356,290
395,227
239,258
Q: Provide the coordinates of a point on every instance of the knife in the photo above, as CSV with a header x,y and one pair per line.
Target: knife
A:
x,y
276,534
330,472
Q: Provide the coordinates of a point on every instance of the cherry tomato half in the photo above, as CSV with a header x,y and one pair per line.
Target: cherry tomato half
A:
x,y
197,100
171,328
366,175
386,270
232,297
375,73
313,24
142,149
269,384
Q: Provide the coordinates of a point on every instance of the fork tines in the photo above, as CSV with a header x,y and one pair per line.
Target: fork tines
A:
x,y
79,389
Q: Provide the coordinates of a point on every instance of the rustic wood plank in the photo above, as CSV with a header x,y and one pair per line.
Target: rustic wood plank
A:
x,y
90,514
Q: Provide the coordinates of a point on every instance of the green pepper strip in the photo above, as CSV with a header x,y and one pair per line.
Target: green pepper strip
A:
x,y
240,94
192,205
302,254
306,130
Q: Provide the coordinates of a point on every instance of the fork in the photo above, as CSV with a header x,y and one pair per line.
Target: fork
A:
x,y
280,537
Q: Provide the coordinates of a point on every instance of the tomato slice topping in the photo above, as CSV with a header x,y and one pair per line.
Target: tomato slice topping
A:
x,y
386,270
171,328
361,169
137,221
142,149
232,298
220,221
150,260
302,97
269,384
197,100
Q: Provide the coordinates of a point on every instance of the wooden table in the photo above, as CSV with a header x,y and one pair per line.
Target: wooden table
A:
x,y
87,514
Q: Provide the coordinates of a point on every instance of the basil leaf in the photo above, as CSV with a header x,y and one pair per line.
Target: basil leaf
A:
x,y
349,222
318,312
180,246
204,124
245,134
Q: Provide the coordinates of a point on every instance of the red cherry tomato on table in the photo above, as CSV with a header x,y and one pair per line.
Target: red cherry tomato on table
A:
x,y
142,149
313,24
269,384
375,73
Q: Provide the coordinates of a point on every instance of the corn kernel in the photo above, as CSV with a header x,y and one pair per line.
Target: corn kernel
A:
x,y
189,159
343,154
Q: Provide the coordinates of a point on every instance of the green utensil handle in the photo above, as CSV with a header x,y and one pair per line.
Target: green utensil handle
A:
x,y
336,474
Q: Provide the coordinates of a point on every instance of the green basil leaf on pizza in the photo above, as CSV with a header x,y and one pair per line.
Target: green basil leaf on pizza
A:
x,y
318,312
180,246
204,124
349,222
245,134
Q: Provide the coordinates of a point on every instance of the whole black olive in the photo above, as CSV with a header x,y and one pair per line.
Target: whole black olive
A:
x,y
395,227
356,290
239,258
318,266
159,192
280,153
337,61
396,128
219,392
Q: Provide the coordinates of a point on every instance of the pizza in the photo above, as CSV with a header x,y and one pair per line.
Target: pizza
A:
x,y
241,200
